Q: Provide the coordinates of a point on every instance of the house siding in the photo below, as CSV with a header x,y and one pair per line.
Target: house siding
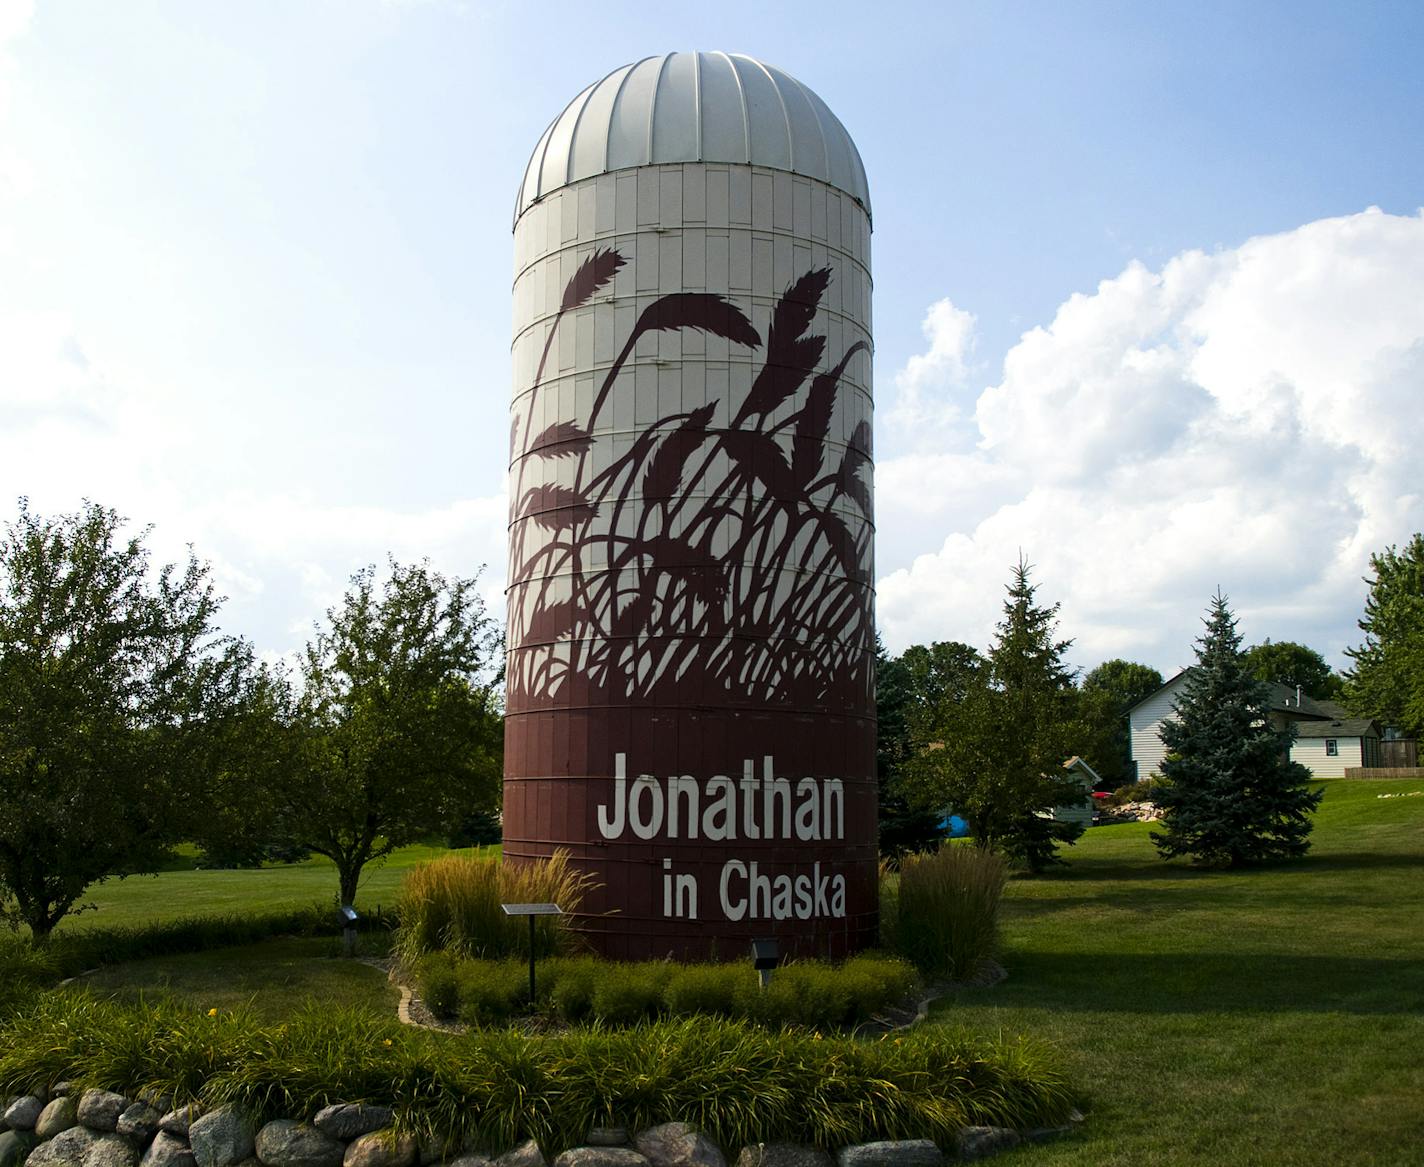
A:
x,y
1310,753
1143,725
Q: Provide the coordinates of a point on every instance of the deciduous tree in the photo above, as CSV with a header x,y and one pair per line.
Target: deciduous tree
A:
x,y
1107,693
1292,664
110,672
1387,680
397,734
1232,796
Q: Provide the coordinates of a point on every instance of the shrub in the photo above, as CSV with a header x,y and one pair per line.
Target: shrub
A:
x,y
439,986
624,994
702,988
739,1083
490,992
570,983
453,904
948,920
1134,792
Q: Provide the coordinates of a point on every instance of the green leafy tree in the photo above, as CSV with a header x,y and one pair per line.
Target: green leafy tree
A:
x,y
110,674
1107,693
898,698
1292,664
1232,796
394,735
994,751
1387,680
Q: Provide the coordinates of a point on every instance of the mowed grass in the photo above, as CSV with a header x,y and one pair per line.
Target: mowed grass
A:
x,y
274,979
177,894
1273,1016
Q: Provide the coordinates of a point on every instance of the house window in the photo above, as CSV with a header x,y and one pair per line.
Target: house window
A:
x,y
1332,748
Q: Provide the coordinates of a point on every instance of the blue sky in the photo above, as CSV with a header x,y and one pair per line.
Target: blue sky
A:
x,y
1133,313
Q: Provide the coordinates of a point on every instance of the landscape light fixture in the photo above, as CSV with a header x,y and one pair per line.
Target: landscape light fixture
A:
x,y
766,955
346,916
532,910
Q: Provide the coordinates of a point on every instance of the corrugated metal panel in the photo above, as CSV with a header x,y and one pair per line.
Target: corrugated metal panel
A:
x,y
690,107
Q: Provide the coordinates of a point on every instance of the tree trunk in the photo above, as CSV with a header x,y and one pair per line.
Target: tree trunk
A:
x,y
349,871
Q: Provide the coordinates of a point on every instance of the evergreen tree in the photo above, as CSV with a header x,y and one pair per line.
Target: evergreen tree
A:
x,y
903,826
1232,795
994,751
1387,682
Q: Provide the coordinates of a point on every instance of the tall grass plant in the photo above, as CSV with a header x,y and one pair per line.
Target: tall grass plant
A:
x,y
947,910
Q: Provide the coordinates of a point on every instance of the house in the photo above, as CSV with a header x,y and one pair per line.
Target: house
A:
x,y
1082,811
1328,739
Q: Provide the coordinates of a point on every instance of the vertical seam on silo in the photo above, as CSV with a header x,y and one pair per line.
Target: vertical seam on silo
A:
x,y
746,117
697,106
573,134
653,105
820,128
785,117
612,109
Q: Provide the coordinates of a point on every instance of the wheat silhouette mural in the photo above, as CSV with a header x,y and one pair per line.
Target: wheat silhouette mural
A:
x,y
740,553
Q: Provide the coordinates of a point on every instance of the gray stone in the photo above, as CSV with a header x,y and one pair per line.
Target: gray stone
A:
x,y
285,1143
979,1142
23,1113
600,1157
59,1115
168,1151
60,1089
782,1155
14,1146
177,1122
607,1136
527,1154
470,1159
221,1138
891,1153
110,1149
348,1120
676,1144
99,1110
67,1149
139,1121
381,1149
156,1098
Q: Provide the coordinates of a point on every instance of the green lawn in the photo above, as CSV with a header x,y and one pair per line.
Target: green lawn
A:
x,y
175,894
1272,1016
273,979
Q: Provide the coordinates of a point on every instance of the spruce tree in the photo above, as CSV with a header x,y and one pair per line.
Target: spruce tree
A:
x,y
1232,796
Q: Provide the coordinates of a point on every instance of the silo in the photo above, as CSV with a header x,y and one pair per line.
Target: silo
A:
x,y
691,642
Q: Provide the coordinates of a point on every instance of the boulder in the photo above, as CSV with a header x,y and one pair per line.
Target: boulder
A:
x,y
60,1089
600,1157
139,1121
676,1144
527,1154
23,1113
381,1149
782,1155
348,1120
891,1153
979,1142
15,1146
285,1143
168,1151
221,1138
470,1159
67,1149
99,1110
177,1122
110,1149
59,1115
607,1136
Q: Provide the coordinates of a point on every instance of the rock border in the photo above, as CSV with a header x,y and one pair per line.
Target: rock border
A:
x,y
100,1128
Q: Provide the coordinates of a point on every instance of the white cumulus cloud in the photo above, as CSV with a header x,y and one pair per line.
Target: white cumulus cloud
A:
x,y
1249,419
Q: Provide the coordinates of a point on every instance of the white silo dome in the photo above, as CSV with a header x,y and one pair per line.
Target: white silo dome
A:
x,y
695,107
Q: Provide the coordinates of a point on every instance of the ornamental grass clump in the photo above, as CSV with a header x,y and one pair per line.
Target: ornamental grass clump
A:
x,y
947,914
738,1082
453,905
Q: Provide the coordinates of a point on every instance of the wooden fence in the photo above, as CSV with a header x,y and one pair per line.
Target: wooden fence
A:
x,y
1384,771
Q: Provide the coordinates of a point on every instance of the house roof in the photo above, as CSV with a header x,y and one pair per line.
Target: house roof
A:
x,y
1283,699
1344,727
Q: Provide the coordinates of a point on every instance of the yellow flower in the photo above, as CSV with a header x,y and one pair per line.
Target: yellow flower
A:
x,y
212,1012
387,1043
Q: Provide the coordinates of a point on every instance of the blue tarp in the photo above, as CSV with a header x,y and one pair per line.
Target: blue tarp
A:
x,y
954,827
